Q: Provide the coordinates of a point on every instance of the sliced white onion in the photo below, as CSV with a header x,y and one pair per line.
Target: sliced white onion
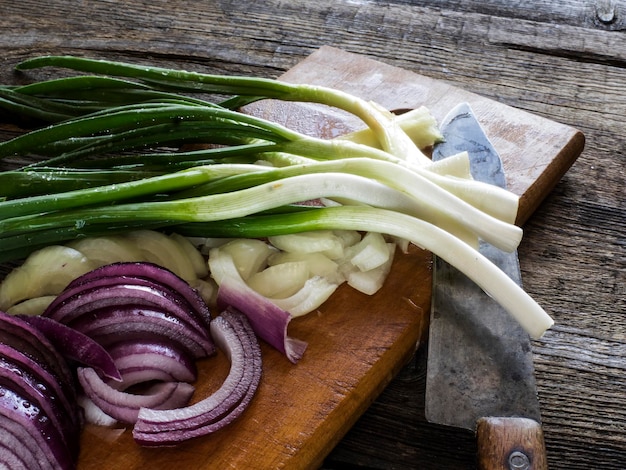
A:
x,y
318,264
370,282
280,280
321,241
370,252
249,255
311,296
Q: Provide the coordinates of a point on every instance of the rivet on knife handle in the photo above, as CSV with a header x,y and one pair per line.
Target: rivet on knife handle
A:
x,y
510,444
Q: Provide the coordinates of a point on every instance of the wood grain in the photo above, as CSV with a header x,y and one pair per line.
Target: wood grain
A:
x,y
562,62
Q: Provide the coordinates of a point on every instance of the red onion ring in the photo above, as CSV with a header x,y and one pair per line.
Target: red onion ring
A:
x,y
73,303
16,436
130,321
26,378
142,361
37,399
75,345
234,335
154,273
125,406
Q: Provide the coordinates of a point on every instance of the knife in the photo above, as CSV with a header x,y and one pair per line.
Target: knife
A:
x,y
480,372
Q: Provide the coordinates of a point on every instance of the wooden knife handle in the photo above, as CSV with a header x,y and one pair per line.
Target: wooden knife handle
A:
x,y
510,444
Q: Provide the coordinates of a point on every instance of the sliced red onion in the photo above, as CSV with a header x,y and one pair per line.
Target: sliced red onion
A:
x,y
136,322
269,321
37,393
20,335
16,436
162,295
125,406
13,439
73,303
39,428
142,361
11,455
35,386
234,335
153,272
75,345
44,380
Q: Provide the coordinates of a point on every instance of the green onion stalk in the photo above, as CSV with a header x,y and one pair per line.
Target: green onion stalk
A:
x,y
388,132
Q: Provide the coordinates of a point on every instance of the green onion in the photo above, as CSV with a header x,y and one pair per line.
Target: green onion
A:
x,y
390,135
378,178
44,181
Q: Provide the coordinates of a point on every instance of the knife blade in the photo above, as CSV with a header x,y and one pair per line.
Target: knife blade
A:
x,y
480,371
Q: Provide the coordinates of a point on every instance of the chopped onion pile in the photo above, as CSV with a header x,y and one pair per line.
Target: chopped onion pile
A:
x,y
292,275
39,418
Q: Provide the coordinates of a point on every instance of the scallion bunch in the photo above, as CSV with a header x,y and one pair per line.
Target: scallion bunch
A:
x,y
107,159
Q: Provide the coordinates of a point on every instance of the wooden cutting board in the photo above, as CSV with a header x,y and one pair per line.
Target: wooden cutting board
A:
x,y
357,343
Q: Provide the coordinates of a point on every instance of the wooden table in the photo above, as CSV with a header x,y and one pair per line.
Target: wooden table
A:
x,y
562,60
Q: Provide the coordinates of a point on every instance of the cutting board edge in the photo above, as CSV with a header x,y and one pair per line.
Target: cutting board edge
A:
x,y
537,192
401,357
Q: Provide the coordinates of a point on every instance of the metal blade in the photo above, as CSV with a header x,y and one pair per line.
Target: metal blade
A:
x,y
480,360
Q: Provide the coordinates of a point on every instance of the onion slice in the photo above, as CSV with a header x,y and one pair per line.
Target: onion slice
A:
x,y
25,378
41,444
98,294
268,321
155,273
125,406
142,360
234,335
76,346
128,321
37,400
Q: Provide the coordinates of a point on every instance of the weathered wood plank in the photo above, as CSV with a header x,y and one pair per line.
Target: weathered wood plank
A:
x,y
606,15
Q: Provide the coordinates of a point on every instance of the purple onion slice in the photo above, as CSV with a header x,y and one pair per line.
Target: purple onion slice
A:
x,y
124,406
134,322
75,345
156,273
17,409
73,303
269,321
141,361
234,335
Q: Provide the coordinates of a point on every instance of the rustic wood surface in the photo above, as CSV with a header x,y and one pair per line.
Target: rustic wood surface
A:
x,y
562,60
